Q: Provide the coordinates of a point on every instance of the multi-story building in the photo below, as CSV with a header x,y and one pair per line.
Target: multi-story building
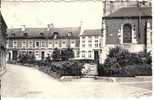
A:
x,y
3,50
129,27
41,41
90,43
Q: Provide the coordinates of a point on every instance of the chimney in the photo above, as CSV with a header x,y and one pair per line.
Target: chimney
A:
x,y
81,27
55,34
23,27
50,26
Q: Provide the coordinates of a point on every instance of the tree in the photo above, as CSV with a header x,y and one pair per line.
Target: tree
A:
x,y
67,54
48,59
70,53
56,54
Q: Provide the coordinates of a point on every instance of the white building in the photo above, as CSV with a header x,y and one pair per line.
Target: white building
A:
x,y
90,43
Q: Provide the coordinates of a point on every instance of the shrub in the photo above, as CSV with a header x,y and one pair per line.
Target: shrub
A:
x,y
120,62
26,58
65,68
66,54
56,54
148,58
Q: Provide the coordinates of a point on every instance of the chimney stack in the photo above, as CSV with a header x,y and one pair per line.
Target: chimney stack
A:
x,y
81,27
50,26
23,28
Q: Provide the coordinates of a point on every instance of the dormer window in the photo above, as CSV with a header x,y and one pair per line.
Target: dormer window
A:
x,y
143,2
55,34
25,34
42,34
13,34
69,34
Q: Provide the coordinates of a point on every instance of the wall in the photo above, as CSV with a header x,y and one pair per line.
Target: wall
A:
x,y
114,26
2,46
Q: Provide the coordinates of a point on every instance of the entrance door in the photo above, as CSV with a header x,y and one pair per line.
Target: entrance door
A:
x,y
96,57
42,55
9,56
14,55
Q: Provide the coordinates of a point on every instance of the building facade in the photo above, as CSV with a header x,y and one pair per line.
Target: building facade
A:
x,y
41,41
129,27
3,50
90,44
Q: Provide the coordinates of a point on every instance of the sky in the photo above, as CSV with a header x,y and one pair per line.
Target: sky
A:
x,y
61,14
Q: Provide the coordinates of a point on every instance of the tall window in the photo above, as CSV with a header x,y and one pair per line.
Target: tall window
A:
x,y
83,45
43,44
37,44
96,43
127,33
83,53
14,44
89,54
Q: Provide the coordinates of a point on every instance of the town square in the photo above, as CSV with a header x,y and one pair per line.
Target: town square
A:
x,y
69,48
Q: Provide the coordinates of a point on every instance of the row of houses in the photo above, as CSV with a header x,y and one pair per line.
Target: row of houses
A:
x,y
129,25
42,41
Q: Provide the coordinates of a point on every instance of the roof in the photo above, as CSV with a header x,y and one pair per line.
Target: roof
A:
x,y
92,32
132,12
2,19
36,32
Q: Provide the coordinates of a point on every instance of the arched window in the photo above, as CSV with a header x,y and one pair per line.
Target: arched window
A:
x,y
127,33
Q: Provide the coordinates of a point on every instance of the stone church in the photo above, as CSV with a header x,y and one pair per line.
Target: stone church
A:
x,y
129,27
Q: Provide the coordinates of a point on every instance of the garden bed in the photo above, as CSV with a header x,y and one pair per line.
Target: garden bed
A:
x,y
57,69
122,63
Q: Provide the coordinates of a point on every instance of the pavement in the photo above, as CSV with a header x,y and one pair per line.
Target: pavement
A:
x,y
20,81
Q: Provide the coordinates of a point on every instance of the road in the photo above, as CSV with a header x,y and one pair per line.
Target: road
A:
x,y
20,81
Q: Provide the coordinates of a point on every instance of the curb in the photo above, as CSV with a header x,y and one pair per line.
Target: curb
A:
x,y
108,79
2,73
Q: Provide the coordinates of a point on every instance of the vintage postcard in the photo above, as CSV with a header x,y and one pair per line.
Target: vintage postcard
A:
x,y
76,49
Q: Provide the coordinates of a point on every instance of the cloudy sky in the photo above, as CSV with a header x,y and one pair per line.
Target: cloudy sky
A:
x,y
62,14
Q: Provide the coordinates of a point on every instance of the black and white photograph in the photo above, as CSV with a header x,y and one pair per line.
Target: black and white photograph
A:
x,y
75,49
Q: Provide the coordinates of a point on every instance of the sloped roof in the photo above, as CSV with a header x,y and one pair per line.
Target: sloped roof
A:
x,y
2,19
92,32
35,32
132,12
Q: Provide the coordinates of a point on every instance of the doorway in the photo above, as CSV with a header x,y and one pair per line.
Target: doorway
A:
x,y
42,55
14,55
96,56
9,56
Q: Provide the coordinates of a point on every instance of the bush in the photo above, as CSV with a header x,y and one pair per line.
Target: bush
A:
x,y
67,54
26,58
139,70
120,62
148,58
64,68
121,57
56,54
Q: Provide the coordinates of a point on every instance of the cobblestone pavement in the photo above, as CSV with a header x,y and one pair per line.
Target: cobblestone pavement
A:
x,y
20,81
